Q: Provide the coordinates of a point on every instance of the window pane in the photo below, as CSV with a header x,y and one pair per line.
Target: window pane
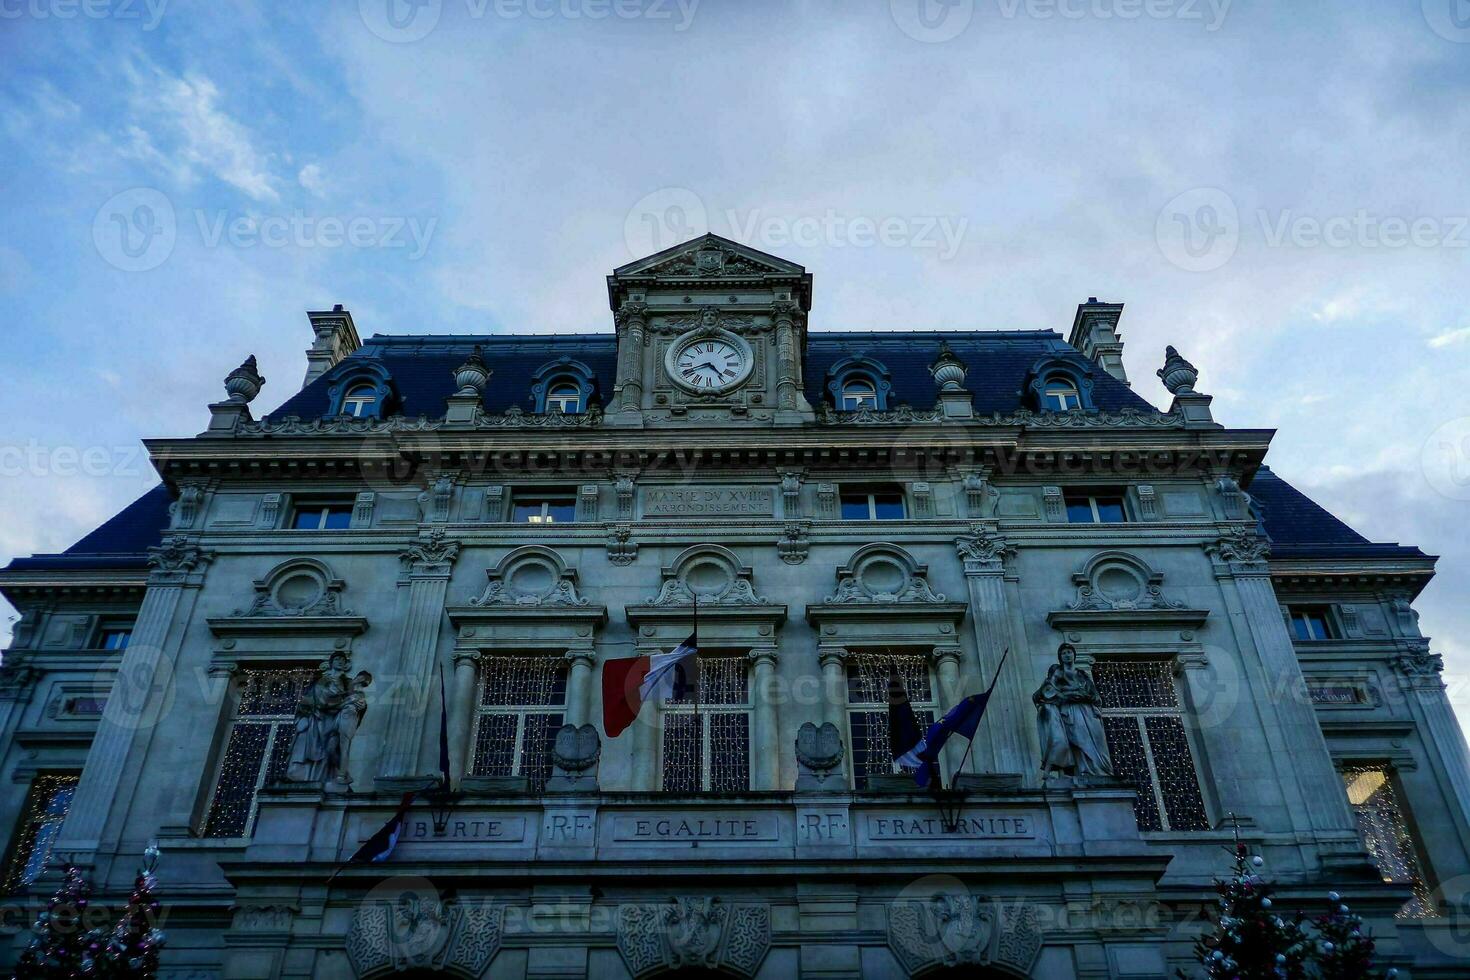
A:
x,y
729,733
1110,510
1174,765
683,752
116,639
855,507
523,511
338,518
1079,510
1386,836
560,512
495,744
234,795
511,737
258,748
46,806
306,520
867,685
524,681
888,506
1125,743
1135,684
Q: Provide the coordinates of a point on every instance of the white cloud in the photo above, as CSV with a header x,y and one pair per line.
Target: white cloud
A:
x,y
312,179
1449,337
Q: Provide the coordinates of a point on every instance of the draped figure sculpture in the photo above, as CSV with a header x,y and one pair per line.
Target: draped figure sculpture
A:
x,y
326,720
1068,720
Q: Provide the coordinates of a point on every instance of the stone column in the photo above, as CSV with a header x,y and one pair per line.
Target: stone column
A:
x,y
579,686
1001,738
462,711
834,684
765,735
632,321
947,669
1419,671
141,694
1310,781
429,562
787,368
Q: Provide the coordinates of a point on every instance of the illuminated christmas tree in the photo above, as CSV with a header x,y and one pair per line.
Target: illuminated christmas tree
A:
x,y
58,947
1251,941
1345,951
131,951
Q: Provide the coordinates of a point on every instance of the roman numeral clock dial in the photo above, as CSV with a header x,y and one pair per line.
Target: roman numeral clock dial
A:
x,y
709,365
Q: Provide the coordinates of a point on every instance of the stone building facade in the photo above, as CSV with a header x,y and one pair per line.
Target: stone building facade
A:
x,y
458,531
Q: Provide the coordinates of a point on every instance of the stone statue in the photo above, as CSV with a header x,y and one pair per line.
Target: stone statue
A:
x,y
353,708
1068,720
318,751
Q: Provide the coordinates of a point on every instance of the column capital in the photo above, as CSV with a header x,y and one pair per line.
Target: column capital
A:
x,y
431,556
584,656
1419,666
828,655
471,657
759,655
946,652
1242,548
984,550
178,561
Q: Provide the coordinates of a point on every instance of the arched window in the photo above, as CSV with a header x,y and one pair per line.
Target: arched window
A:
x,y
858,392
361,401
1060,394
565,397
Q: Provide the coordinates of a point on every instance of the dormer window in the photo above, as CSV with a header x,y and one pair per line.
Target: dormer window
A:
x,y
1061,395
858,393
564,397
361,401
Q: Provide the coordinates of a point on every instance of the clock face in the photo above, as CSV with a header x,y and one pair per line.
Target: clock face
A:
x,y
709,364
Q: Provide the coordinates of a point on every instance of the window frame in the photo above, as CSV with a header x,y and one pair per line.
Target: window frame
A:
x,y
370,406
926,710
557,395
281,725
521,751
109,628
1301,616
325,507
1420,881
684,707
20,853
866,401
546,498
1064,386
1093,496
872,493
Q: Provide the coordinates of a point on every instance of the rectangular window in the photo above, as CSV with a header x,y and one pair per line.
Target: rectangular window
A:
x,y
867,708
522,705
1095,507
539,507
115,636
1384,830
709,750
321,516
1144,723
257,749
872,504
45,808
1311,623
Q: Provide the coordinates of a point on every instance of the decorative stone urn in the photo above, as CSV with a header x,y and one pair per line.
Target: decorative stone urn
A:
x,y
244,383
473,374
948,370
1177,374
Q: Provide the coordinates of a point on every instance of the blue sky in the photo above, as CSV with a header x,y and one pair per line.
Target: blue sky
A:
x,y
1279,190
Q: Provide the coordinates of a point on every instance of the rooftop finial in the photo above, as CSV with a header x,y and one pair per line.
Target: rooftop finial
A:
x,y
244,383
1177,373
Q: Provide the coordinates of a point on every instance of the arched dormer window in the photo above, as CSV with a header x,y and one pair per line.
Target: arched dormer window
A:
x,y
563,386
360,388
1059,384
859,383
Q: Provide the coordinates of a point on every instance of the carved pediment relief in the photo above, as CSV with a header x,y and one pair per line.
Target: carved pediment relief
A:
x,y
698,933
531,576
300,587
416,930
710,257
1116,580
953,928
883,573
714,573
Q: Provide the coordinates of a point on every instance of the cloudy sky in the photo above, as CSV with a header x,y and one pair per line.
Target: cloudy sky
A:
x,y
1277,189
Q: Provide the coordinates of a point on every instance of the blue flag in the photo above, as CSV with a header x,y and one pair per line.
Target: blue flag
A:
x,y
962,719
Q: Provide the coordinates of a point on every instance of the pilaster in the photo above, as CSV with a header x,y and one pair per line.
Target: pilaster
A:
x,y
765,735
1002,746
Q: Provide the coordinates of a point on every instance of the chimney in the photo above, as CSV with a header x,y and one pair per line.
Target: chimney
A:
x,y
1095,334
336,337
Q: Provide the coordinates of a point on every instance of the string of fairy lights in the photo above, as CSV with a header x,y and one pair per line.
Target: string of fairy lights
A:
x,y
1387,836
258,747
709,750
867,700
513,728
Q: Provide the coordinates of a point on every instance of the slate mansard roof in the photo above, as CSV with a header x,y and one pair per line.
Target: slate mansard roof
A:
x,y
421,369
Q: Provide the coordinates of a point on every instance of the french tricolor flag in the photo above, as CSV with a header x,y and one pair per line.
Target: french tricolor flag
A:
x,y
628,682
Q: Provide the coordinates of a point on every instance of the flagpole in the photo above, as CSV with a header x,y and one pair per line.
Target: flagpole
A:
x,y
954,780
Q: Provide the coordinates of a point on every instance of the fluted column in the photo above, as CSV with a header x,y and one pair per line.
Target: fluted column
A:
x,y
429,562
947,670
787,365
632,321
834,684
141,693
1419,672
765,735
462,711
579,686
1309,779
1002,745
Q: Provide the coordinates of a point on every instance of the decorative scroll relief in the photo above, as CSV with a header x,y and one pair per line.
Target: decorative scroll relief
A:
x,y
1241,544
883,573
531,576
418,931
705,933
1116,580
715,573
302,587
952,929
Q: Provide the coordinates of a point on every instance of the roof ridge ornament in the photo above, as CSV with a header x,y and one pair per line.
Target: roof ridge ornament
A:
x,y
244,383
1177,373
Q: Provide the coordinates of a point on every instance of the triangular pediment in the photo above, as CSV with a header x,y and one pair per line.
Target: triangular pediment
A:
x,y
709,257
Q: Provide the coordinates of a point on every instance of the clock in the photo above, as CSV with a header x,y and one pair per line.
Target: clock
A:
x,y
709,362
